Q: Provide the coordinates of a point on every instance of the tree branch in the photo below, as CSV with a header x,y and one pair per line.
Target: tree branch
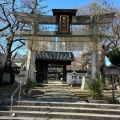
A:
x,y
5,27
13,5
17,48
16,40
22,42
7,20
2,48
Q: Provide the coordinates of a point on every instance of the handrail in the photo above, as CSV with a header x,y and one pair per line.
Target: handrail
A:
x,y
12,99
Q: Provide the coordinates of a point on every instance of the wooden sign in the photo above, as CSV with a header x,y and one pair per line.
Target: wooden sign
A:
x,y
64,23
113,70
64,19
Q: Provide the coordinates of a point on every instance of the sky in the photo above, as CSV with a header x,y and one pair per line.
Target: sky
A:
x,y
55,4
66,3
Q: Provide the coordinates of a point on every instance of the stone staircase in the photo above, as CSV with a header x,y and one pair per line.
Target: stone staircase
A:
x,y
36,110
58,103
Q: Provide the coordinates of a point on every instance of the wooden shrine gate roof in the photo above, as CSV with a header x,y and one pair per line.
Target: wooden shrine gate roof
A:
x,y
55,56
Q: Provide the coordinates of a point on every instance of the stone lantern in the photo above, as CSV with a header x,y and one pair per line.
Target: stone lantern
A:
x,y
74,77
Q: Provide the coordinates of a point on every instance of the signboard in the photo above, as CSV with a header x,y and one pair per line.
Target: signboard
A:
x,y
64,23
113,70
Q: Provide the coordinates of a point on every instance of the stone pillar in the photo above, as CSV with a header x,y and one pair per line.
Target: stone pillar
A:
x,y
93,64
63,46
94,48
30,68
84,85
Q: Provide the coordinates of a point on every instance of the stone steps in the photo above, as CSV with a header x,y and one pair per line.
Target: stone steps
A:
x,y
58,103
33,118
21,118
80,104
61,110
61,115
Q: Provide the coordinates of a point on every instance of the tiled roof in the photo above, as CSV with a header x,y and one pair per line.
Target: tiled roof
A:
x,y
55,56
77,71
56,11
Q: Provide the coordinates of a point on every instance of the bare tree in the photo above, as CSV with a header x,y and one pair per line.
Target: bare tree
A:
x,y
114,29
76,64
35,6
98,10
81,62
9,26
7,32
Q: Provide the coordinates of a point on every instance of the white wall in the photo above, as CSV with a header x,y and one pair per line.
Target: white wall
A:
x,y
78,80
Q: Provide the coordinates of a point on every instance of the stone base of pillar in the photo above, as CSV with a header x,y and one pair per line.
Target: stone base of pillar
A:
x,y
30,68
73,83
45,81
84,85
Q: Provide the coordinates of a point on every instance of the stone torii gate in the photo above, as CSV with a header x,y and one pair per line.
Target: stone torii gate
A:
x,y
61,16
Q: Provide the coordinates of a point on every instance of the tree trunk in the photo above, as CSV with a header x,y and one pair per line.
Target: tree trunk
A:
x,y
8,63
102,66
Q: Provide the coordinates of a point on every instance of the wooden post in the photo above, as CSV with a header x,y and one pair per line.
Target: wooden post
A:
x,y
113,94
64,72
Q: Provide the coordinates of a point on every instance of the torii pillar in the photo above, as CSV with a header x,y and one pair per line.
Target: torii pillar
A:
x,y
30,68
94,60
94,51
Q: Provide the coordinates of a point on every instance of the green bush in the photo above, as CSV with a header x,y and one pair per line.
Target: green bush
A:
x,y
114,56
95,88
29,84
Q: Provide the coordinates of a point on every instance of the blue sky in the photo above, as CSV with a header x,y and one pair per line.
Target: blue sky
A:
x,y
66,3
52,4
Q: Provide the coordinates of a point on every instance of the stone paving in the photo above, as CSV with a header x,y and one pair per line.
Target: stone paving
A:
x,y
57,92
